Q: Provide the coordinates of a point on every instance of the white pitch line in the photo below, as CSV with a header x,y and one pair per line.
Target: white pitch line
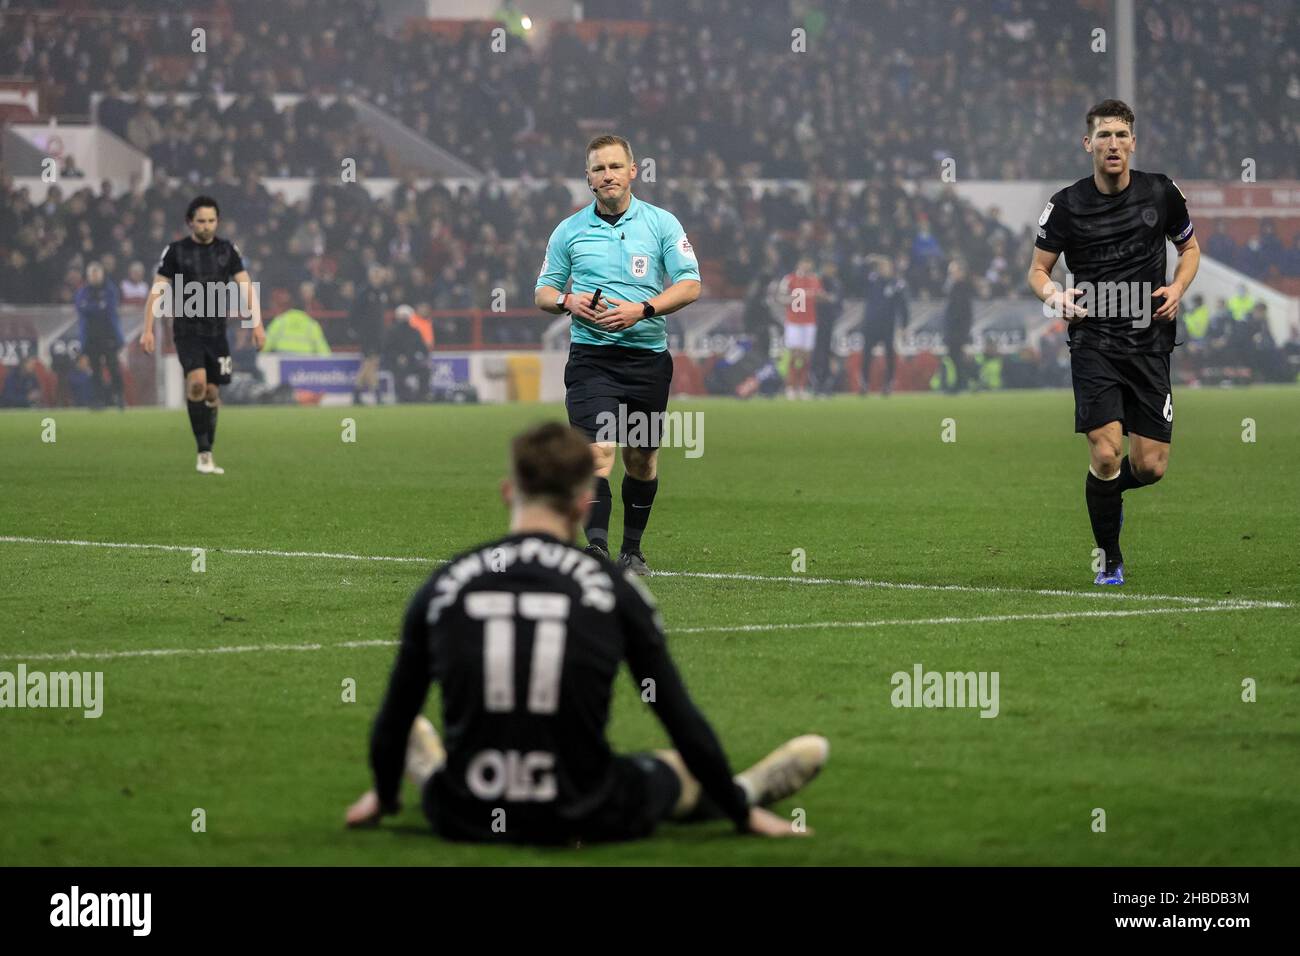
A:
x,y
73,654
982,619
1105,595
721,628
258,552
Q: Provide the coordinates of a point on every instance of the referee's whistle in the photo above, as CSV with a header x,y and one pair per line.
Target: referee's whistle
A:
x,y
595,297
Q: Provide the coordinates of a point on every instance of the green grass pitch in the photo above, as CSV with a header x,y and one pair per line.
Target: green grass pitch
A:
x,y
1130,702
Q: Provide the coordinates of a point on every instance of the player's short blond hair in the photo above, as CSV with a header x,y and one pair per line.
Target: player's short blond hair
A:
x,y
609,139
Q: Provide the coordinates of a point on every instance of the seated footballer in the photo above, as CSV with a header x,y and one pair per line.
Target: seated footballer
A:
x,y
526,635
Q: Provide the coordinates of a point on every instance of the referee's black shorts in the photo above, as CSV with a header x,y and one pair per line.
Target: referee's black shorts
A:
x,y
1131,388
642,793
600,378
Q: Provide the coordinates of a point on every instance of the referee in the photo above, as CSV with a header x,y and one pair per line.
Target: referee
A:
x,y
627,250
1111,227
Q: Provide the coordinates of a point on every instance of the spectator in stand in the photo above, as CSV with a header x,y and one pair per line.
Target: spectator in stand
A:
x,y
1196,321
828,313
82,388
101,334
134,288
958,317
369,315
1241,304
406,356
22,389
884,309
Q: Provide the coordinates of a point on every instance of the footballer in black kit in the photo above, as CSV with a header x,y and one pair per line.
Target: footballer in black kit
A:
x,y
1112,227
526,635
204,279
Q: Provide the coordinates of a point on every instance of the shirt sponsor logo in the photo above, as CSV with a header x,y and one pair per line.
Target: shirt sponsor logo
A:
x,y
1047,211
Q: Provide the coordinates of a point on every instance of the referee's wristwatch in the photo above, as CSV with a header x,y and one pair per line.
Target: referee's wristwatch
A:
x,y
647,310
559,303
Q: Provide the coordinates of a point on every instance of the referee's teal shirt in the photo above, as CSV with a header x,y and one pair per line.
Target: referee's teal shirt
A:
x,y
631,260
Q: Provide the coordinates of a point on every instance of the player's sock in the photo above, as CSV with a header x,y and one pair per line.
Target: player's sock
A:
x,y
638,496
1105,503
199,424
1127,479
212,425
597,526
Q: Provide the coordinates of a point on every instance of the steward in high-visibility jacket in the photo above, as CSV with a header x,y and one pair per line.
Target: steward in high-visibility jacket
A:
x,y
296,332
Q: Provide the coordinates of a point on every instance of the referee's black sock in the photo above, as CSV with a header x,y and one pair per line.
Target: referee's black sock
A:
x,y
1126,478
212,424
597,526
199,424
1105,501
638,496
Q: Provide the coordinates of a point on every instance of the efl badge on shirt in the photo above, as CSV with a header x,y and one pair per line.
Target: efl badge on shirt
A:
x,y
639,265
1047,212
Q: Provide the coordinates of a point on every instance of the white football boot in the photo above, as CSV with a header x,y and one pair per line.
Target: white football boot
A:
x,y
205,465
424,751
785,770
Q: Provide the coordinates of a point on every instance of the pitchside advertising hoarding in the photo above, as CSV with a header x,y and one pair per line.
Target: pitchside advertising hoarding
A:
x,y
335,375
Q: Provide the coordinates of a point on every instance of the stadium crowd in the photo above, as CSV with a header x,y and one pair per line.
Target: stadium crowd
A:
x,y
881,89
845,109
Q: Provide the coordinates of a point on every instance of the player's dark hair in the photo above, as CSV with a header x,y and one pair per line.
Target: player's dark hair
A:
x,y
197,203
1110,108
552,462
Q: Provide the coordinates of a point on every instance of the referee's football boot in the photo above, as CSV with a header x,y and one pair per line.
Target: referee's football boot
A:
x,y
597,551
633,561
785,770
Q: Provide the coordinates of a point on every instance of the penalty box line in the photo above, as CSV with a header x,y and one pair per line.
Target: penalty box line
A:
x,y
1105,595
75,655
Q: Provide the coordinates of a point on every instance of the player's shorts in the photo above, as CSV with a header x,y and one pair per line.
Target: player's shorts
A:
x,y
800,336
600,378
1130,388
208,352
642,794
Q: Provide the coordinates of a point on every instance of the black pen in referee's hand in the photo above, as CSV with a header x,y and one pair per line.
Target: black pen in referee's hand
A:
x,y
595,297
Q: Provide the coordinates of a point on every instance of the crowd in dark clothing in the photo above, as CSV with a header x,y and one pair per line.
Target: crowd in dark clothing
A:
x,y
866,90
